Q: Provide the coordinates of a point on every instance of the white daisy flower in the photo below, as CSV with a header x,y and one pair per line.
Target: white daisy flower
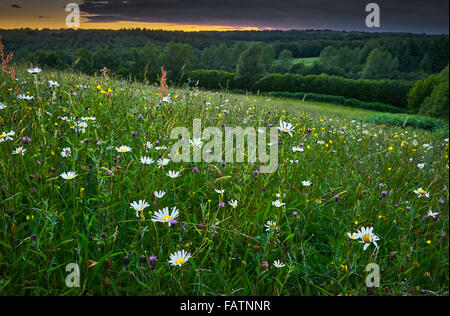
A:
x,y
306,183
173,174
271,226
66,152
163,162
421,166
163,216
123,149
421,193
233,203
179,258
219,191
278,264
68,175
139,206
19,151
196,142
148,146
297,149
6,136
34,71
278,203
159,194
25,97
432,214
2,106
146,160
285,127
81,127
367,237
53,84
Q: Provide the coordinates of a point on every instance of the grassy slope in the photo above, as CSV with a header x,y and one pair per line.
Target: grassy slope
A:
x,y
88,220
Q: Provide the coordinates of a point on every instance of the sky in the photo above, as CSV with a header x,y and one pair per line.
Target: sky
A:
x,y
415,16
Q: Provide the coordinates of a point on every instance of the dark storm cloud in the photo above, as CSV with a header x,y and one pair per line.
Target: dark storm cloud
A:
x,y
429,16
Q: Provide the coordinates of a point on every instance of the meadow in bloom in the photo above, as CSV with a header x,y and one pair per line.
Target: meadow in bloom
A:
x,y
86,177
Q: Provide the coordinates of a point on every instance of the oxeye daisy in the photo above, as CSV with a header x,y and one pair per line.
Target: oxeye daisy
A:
x,y
66,152
173,174
53,84
367,237
278,264
25,97
297,149
271,226
68,175
285,127
233,203
432,214
163,216
81,127
123,149
148,146
159,194
196,142
421,193
34,71
278,203
19,151
139,206
2,106
146,160
219,191
306,183
163,162
6,136
179,258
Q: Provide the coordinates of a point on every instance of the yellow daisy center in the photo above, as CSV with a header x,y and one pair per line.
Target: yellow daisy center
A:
x,y
69,177
166,219
366,238
2,135
123,149
422,192
180,261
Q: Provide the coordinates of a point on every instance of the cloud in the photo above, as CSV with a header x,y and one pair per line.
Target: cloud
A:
x,y
282,14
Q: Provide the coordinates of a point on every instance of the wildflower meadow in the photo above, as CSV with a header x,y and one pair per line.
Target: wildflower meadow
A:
x,y
93,203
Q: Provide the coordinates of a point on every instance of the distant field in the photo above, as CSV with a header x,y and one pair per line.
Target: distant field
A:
x,y
307,61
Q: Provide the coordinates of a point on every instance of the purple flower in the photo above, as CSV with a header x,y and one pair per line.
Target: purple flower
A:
x,y
265,264
384,193
256,172
395,205
222,204
174,222
381,185
361,163
195,169
140,116
295,213
408,208
309,130
336,197
152,258
441,201
270,125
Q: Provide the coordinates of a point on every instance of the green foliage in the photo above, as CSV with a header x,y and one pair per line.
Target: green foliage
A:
x,y
404,120
430,96
380,64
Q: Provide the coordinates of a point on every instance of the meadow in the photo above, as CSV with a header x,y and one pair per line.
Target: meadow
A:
x,y
85,177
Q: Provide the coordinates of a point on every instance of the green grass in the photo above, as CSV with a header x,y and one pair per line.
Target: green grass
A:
x,y
48,222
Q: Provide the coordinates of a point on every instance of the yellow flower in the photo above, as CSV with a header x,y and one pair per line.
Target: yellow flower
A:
x,y
429,242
